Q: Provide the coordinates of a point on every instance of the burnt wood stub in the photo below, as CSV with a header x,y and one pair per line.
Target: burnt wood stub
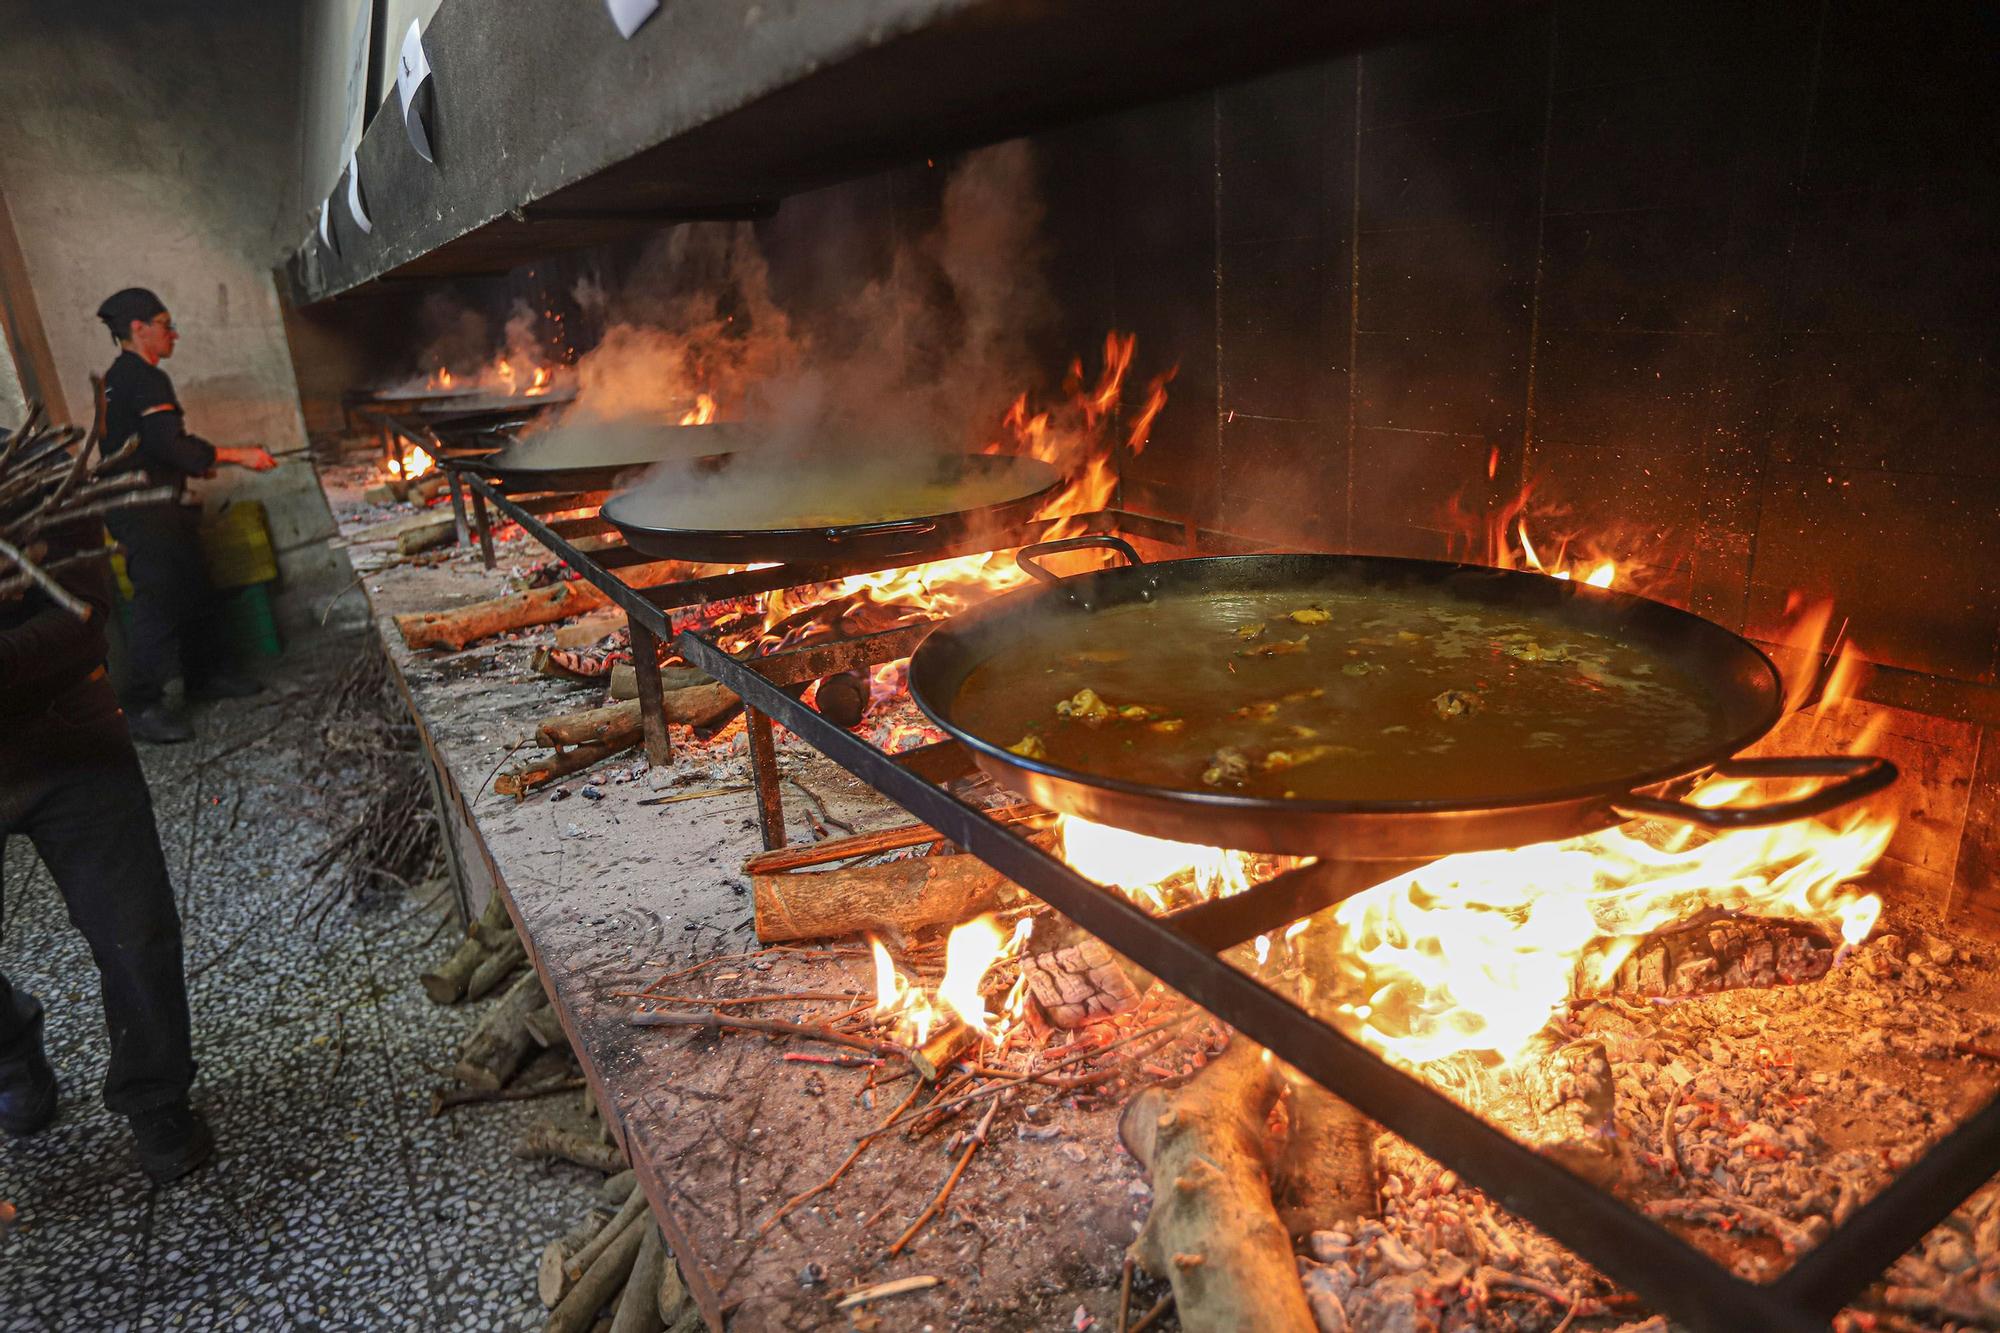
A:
x,y
1079,983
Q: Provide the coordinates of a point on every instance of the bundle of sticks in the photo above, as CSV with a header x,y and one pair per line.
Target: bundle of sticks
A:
x,y
51,477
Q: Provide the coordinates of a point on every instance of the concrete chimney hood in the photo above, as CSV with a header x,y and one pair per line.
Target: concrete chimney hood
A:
x,y
551,132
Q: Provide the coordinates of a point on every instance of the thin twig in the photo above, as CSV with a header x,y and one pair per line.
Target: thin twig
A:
x,y
660,1018
951,1181
841,1170
1159,1308
712,1003
1125,1294
445,1099
1040,1075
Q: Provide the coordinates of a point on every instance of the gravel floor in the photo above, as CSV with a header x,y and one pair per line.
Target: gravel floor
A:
x,y
337,1203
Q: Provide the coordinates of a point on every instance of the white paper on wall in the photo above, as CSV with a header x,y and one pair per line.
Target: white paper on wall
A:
x,y
326,226
630,14
355,208
413,71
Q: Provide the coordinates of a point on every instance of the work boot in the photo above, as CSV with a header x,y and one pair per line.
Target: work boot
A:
x,y
172,1141
27,1096
225,684
159,724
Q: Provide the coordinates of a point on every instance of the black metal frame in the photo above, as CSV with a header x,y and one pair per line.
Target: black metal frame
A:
x,y
1184,951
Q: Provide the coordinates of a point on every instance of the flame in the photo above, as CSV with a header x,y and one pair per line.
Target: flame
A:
x,y
701,413
1600,575
412,465
1141,866
1477,953
540,383
439,379
971,951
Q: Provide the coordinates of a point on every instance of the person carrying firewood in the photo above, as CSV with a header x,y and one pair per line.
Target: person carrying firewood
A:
x,y
70,782
175,623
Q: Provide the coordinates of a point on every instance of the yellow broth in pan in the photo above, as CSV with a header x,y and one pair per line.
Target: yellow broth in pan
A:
x,y
1338,695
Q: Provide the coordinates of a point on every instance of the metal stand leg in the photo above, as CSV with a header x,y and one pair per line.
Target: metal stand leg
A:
x,y
451,485
652,706
485,523
764,769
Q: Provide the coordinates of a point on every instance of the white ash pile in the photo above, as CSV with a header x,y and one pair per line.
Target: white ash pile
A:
x,y
1753,1121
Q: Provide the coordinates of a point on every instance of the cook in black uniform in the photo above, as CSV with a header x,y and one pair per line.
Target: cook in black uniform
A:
x,y
70,781
174,626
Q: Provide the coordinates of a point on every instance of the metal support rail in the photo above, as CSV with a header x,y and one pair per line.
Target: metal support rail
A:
x,y
1183,950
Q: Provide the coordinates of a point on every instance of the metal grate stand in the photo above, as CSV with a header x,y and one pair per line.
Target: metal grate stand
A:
x,y
1184,950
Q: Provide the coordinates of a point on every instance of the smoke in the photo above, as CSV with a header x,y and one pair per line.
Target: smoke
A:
x,y
932,349
456,336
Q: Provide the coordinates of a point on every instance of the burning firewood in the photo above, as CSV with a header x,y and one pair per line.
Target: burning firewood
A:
x,y
1213,1230
456,628
1714,952
50,478
901,896
1078,983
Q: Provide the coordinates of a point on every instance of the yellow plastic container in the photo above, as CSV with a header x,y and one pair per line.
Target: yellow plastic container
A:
x,y
237,543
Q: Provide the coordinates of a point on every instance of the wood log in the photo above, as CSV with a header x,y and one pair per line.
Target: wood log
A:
x,y
551,1282
781,859
617,1189
496,1048
1078,983
693,705
520,781
428,535
588,726
901,896
547,1142
393,530
494,928
625,680
605,1277
446,982
497,966
456,628
588,630
672,1296
1325,1177
628,1212
639,1307
545,1029
1213,1231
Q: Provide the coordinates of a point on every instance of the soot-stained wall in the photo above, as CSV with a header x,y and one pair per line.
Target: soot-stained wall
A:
x,y
1718,282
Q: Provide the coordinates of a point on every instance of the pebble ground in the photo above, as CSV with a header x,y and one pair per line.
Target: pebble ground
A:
x,y
336,1203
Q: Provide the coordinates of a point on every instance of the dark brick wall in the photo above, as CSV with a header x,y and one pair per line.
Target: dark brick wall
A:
x,y
1719,280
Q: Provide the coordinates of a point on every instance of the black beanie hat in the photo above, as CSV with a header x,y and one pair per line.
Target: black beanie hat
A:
x,y
121,308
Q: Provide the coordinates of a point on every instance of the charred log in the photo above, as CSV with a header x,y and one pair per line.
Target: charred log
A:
x,y
1079,983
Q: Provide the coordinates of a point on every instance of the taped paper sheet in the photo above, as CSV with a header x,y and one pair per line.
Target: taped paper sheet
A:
x,y
355,208
630,14
413,71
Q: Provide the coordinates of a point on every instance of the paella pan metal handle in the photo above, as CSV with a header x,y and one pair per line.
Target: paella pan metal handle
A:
x,y
1853,777
896,528
1025,558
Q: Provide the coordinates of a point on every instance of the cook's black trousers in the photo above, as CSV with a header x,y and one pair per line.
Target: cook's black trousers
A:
x,y
175,627
81,799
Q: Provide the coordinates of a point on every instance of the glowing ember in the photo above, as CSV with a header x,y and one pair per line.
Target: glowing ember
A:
x,y
701,413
